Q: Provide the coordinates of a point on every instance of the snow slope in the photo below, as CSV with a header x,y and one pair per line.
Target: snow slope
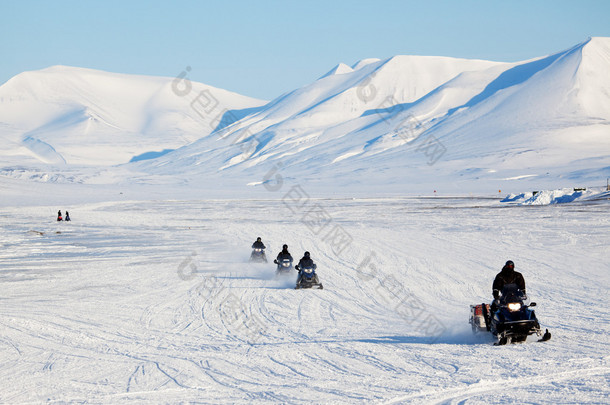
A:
x,y
154,301
410,121
406,124
81,116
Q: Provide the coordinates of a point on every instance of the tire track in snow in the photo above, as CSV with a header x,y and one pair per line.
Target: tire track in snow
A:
x,y
459,395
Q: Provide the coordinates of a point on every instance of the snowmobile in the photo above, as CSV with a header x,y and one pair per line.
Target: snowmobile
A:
x,y
511,320
258,256
284,266
308,278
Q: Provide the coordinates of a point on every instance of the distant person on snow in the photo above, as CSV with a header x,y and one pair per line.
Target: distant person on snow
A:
x,y
67,216
258,252
284,254
59,218
508,275
258,244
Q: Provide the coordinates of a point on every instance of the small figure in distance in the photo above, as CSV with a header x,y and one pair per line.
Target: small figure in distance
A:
x,y
258,244
59,218
258,252
67,216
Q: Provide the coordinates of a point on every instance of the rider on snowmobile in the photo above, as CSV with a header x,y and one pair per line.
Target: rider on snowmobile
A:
x,y
284,254
258,244
508,275
305,262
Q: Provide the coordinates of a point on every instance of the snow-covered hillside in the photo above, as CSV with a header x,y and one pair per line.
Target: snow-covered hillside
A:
x,y
407,124
65,115
426,120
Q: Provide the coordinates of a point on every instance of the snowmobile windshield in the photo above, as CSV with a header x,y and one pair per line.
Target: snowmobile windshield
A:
x,y
511,293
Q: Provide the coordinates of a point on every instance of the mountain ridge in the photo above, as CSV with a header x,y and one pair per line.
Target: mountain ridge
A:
x,y
542,119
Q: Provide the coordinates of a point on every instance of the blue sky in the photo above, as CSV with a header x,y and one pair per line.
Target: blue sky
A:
x,y
264,48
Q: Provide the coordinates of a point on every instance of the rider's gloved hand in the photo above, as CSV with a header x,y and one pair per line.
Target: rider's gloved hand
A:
x,y
275,261
297,267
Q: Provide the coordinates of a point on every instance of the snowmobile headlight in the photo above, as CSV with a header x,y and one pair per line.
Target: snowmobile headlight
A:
x,y
286,264
514,306
258,250
308,270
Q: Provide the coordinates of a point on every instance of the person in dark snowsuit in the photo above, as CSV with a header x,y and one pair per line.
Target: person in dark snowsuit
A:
x,y
284,254
59,218
508,275
258,244
68,216
306,262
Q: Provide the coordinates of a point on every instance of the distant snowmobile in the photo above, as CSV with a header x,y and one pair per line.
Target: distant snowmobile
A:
x,y
511,322
284,266
308,278
258,256
258,252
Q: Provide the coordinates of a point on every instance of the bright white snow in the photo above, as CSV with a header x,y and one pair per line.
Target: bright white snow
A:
x,y
409,124
566,195
154,301
147,295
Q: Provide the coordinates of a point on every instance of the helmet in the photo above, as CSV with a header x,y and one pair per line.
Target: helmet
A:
x,y
258,239
285,247
510,264
306,254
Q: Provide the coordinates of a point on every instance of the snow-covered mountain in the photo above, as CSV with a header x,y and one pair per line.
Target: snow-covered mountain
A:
x,y
81,116
417,119
391,125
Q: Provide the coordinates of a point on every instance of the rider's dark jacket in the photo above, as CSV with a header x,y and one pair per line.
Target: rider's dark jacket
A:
x,y
306,262
508,276
284,254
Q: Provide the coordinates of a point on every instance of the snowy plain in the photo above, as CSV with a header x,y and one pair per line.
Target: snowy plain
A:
x,y
155,301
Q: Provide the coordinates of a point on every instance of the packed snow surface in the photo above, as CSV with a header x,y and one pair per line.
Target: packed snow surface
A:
x,y
155,301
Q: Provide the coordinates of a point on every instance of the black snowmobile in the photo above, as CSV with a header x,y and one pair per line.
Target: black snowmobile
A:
x,y
511,320
284,266
258,256
308,278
